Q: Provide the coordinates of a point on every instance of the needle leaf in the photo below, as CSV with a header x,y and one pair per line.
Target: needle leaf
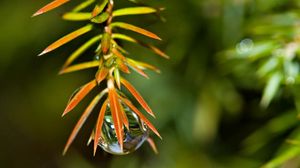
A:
x,y
84,90
135,29
134,11
52,5
67,38
137,96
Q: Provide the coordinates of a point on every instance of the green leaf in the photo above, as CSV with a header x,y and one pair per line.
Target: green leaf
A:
x,y
288,150
267,67
77,16
290,153
105,43
117,77
291,71
118,54
143,65
83,5
100,18
149,46
135,29
134,11
270,130
259,50
121,49
135,1
137,69
124,37
81,66
99,8
271,88
82,49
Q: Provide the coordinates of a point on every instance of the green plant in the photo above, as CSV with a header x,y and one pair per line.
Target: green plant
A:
x,y
111,59
271,57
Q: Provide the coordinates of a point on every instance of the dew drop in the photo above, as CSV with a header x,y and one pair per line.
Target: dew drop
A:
x,y
133,138
244,46
97,57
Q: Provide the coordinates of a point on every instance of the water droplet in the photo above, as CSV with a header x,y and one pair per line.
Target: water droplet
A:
x,y
133,138
244,46
97,57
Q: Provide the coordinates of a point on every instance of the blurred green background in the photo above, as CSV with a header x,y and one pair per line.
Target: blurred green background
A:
x,y
207,105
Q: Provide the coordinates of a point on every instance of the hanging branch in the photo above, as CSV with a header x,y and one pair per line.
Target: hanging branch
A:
x,y
113,59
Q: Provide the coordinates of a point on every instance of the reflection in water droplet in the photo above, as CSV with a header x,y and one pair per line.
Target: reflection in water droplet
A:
x,y
133,138
244,46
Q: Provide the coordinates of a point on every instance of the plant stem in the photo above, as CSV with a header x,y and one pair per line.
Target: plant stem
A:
x,y
108,30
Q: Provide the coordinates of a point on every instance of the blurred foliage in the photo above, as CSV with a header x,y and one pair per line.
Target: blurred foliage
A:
x,y
227,98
